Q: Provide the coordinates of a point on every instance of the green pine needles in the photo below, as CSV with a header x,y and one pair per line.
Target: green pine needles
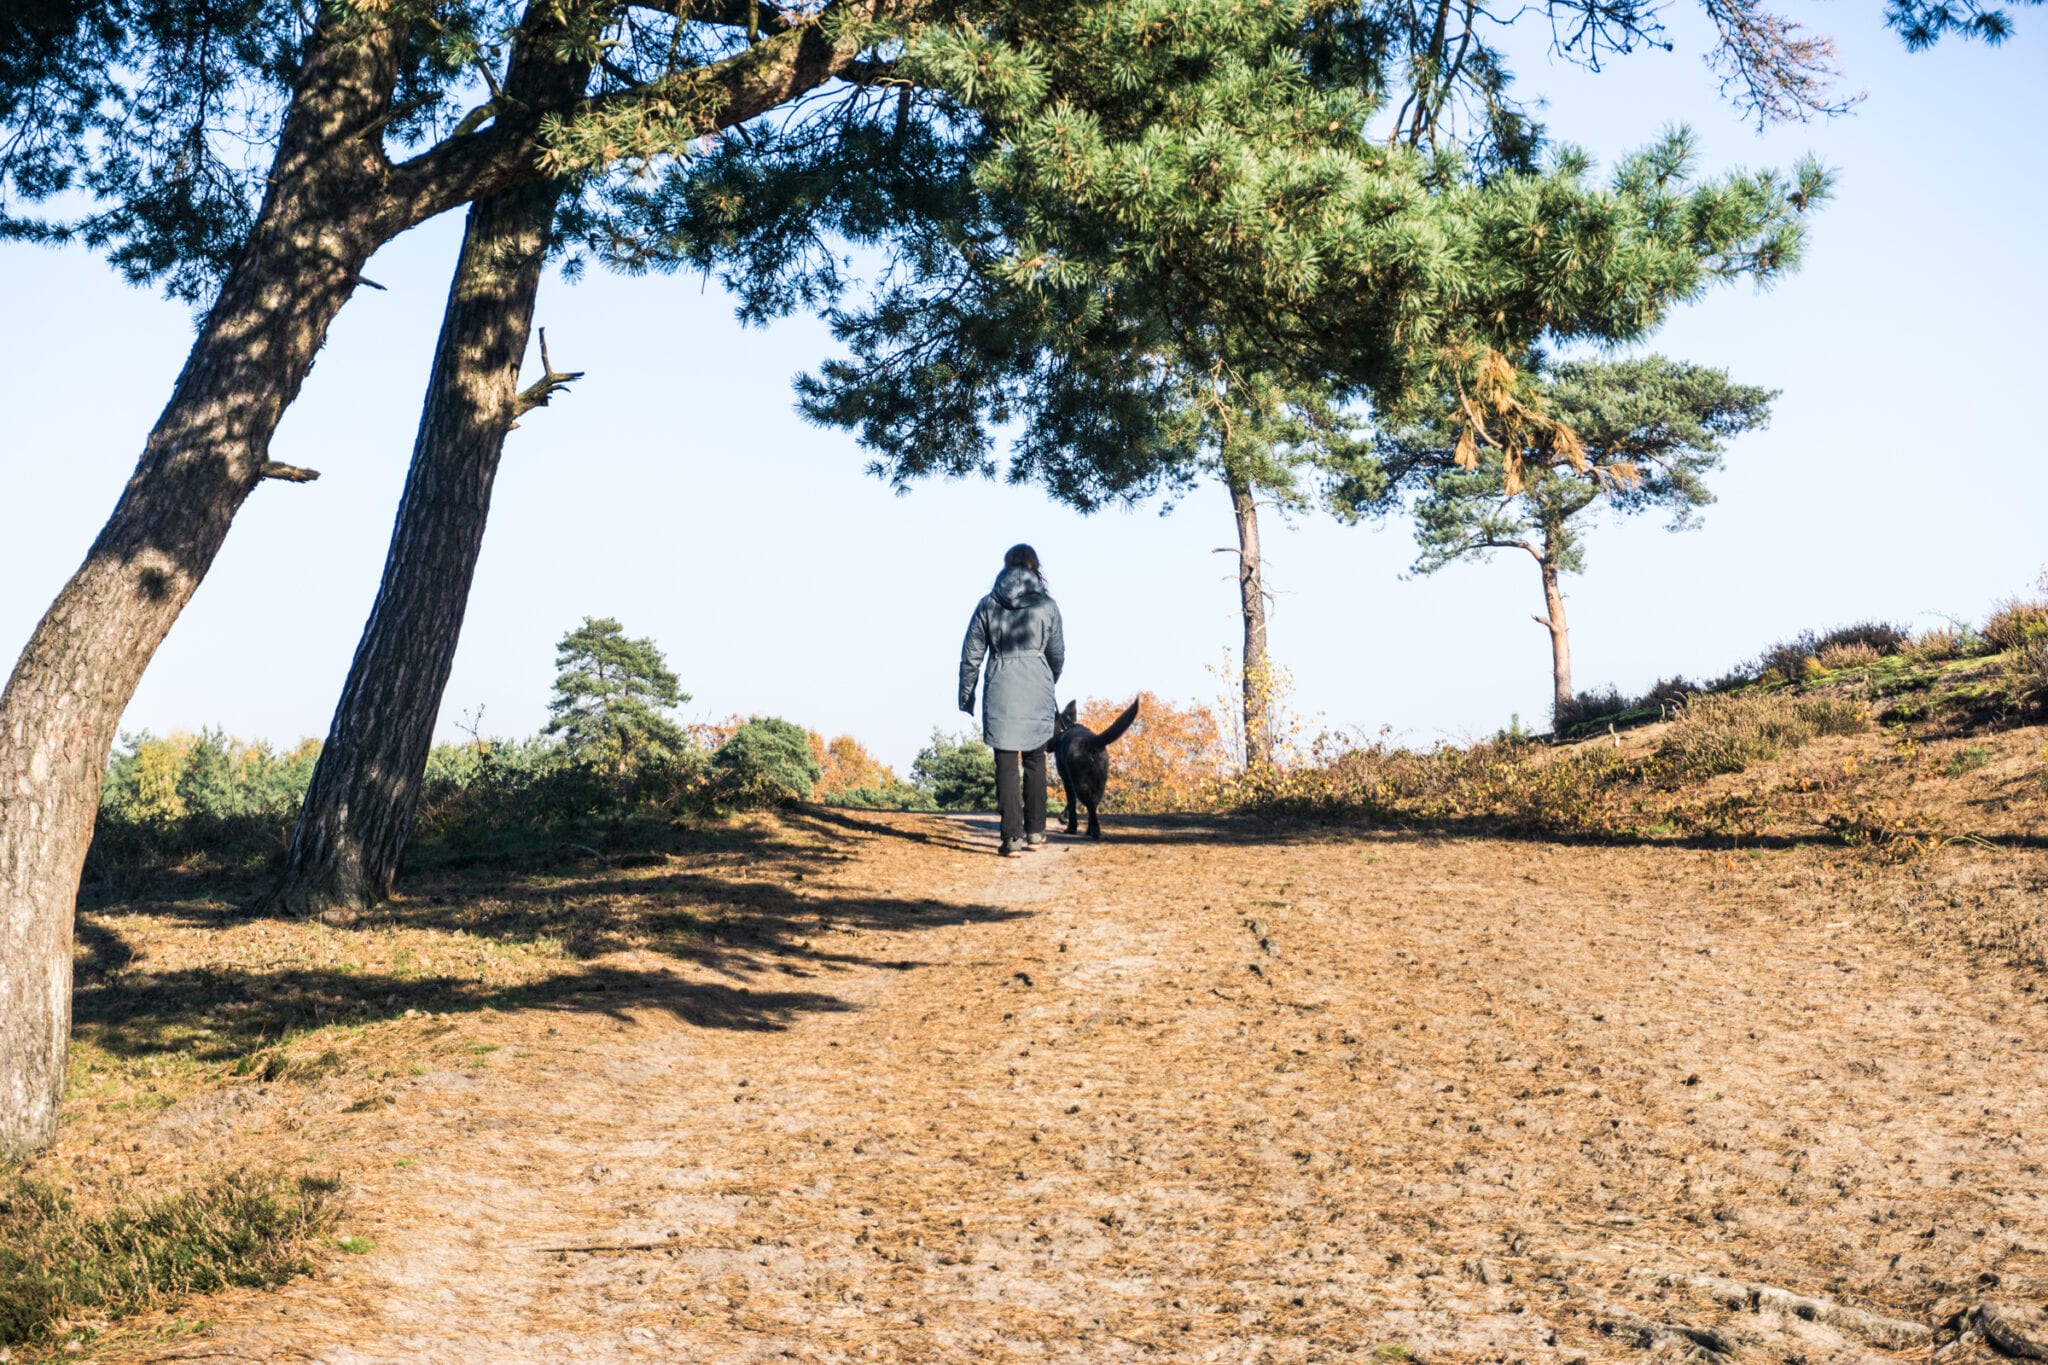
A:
x,y
1126,226
1644,434
611,696
767,762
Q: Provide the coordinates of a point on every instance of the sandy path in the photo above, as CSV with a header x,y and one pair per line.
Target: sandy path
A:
x,y
1467,1100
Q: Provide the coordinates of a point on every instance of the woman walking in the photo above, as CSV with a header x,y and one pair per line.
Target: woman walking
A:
x,y
1017,628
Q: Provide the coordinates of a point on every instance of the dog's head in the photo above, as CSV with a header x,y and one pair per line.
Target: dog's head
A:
x,y
1066,718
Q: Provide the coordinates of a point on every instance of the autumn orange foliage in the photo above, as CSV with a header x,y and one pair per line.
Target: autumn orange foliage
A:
x,y
1173,759
848,767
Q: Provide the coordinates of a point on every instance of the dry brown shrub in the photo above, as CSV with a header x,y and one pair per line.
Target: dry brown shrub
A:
x,y
2026,670
1937,646
1172,759
1728,732
1505,783
2015,622
1850,654
711,735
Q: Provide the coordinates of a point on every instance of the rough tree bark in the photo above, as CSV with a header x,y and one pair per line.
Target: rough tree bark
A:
x,y
333,198
1560,641
1251,589
352,829
204,457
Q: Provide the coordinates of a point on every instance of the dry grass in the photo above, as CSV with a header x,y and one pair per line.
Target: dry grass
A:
x,y
1939,645
1848,654
2017,621
65,1272
1725,734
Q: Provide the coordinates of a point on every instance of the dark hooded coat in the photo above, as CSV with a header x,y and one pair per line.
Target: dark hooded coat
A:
x,y
1017,629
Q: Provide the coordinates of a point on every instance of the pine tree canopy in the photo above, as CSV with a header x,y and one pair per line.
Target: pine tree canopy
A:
x,y
611,692
1129,214
1652,430
147,128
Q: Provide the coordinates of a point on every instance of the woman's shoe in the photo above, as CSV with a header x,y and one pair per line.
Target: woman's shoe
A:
x,y
1008,850
1033,842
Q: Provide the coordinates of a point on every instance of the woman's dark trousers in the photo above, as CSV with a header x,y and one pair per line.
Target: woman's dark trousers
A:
x,y
1020,792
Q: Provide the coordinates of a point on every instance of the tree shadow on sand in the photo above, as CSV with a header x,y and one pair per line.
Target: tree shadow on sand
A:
x,y
735,933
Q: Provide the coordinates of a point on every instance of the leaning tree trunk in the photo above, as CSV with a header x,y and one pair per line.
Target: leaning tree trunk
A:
x,y
1560,644
204,457
1257,671
352,830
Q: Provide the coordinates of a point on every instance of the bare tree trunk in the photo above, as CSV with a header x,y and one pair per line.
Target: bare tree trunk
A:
x,y
1560,643
204,457
352,830
1257,670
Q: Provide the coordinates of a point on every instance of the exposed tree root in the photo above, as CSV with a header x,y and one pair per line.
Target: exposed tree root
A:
x,y
1761,1298
1993,1324
1663,1338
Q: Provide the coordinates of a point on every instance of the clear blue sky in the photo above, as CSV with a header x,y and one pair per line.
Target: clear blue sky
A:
x,y
676,489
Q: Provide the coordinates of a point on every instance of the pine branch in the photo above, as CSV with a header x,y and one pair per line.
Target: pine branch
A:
x,y
517,150
551,382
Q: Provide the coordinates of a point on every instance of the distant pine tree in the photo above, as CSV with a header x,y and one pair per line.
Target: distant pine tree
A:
x,y
957,772
611,693
1649,431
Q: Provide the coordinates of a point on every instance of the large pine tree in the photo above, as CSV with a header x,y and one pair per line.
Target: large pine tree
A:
x,y
1167,285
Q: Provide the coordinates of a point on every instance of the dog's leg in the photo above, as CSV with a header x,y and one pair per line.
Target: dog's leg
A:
x,y
1094,827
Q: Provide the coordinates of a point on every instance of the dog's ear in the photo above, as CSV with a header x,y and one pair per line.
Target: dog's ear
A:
x,y
1072,712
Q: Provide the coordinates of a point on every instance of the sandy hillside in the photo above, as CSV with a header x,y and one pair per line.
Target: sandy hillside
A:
x,y
1205,1091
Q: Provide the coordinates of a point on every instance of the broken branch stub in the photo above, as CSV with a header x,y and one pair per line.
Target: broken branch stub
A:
x,y
551,381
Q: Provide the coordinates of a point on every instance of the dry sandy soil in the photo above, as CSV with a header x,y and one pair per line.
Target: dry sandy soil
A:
x,y
849,1088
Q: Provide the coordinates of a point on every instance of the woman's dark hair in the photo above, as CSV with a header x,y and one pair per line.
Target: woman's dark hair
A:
x,y
1023,557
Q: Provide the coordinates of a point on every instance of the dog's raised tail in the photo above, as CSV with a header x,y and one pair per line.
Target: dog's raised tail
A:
x,y
1117,727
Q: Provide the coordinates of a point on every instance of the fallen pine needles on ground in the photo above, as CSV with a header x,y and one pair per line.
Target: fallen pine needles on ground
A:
x,y
63,1270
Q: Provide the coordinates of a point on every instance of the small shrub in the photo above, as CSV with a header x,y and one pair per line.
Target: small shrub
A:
x,y
1803,656
958,772
1967,760
1787,660
1850,654
767,762
475,793
1587,710
1939,645
1881,638
1670,692
1725,734
2026,671
2014,623
1834,715
57,1263
898,795
1589,706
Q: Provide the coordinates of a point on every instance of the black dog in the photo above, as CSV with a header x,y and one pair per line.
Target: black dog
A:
x,y
1083,760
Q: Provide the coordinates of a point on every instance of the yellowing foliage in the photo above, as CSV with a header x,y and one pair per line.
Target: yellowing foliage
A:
x,y
1172,760
848,766
159,763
